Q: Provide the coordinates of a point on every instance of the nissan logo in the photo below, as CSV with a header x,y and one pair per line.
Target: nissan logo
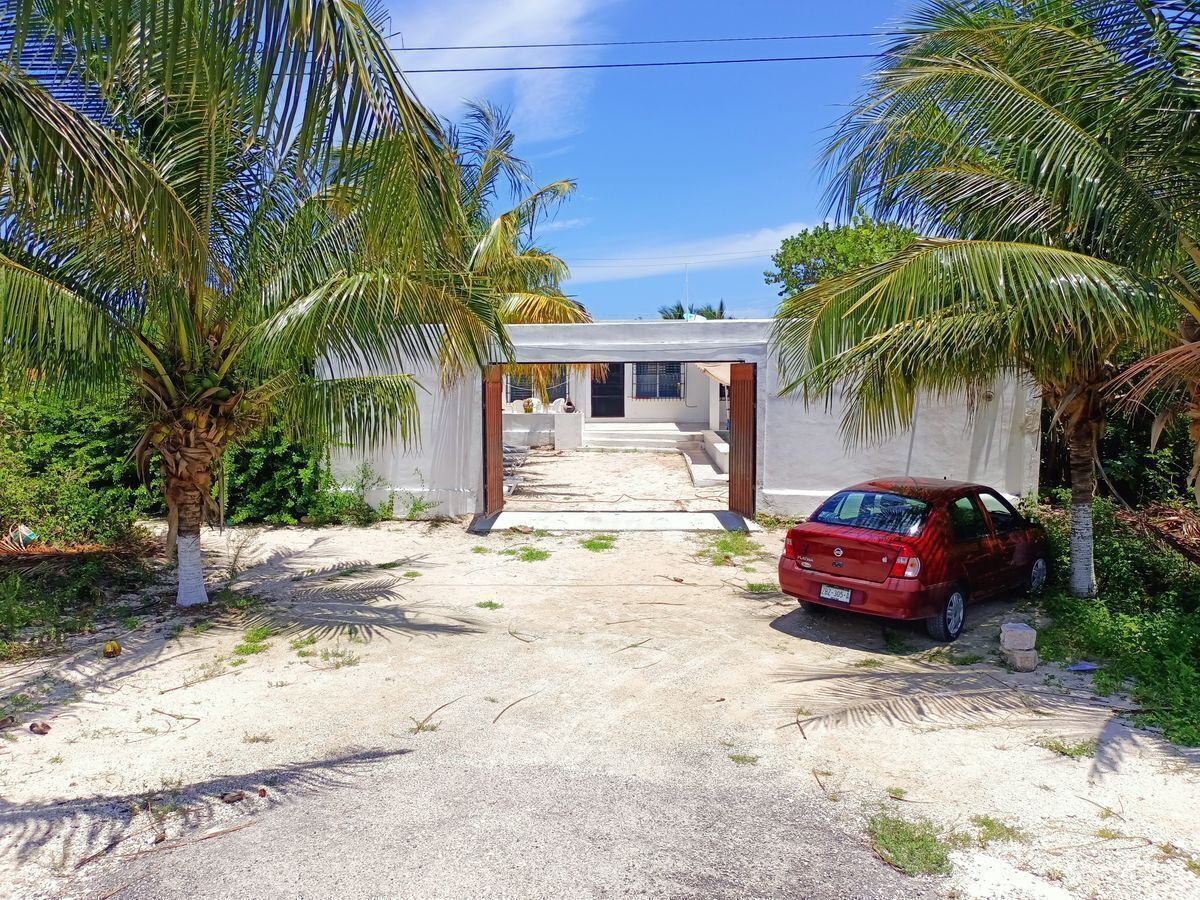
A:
x,y
837,551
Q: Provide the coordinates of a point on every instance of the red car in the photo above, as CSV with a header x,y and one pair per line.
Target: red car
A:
x,y
913,548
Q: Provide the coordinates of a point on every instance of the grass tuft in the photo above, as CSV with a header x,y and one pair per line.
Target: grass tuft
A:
x,y
912,846
599,543
762,587
489,604
1077,750
994,831
869,663
744,759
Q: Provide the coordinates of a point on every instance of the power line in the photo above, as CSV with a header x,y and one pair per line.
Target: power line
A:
x,y
650,65
722,40
686,257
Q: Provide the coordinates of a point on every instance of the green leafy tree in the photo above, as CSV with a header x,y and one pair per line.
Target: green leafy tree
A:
x,y
830,250
235,207
1050,148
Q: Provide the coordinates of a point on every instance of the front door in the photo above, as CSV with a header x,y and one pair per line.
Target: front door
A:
x,y
608,395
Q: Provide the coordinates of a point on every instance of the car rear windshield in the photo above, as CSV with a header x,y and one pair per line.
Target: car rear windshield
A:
x,y
874,510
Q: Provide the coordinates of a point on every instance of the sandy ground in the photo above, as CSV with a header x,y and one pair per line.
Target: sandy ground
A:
x,y
606,730
598,479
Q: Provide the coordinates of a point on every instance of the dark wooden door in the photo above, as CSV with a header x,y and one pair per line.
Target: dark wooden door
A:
x,y
743,432
493,441
608,395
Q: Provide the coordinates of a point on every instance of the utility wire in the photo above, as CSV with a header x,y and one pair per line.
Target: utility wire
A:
x,y
650,65
724,40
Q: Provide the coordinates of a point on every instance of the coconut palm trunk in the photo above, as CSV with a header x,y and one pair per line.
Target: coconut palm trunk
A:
x,y
190,509
1081,453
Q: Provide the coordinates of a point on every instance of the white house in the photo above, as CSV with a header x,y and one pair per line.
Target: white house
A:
x,y
665,385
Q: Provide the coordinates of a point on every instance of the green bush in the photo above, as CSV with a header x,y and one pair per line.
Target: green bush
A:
x,y
274,480
64,470
1143,627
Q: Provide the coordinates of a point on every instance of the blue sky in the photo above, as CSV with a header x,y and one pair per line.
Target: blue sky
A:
x,y
709,166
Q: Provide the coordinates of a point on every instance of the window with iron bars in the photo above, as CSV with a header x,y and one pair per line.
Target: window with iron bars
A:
x,y
658,381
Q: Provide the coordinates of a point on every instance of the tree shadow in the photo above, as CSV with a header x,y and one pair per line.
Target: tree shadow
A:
x,y
77,832
355,598
923,689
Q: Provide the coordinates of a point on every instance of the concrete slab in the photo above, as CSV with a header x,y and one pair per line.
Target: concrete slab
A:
x,y
614,521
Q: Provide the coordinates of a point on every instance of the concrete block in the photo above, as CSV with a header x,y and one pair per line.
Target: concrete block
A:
x,y
1017,636
1021,660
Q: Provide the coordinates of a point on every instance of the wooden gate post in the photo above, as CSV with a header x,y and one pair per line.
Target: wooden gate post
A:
x,y
493,440
743,437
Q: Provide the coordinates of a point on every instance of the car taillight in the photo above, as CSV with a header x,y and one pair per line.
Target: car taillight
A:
x,y
789,547
906,565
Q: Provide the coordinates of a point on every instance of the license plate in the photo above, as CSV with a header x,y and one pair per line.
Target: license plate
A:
x,y
829,592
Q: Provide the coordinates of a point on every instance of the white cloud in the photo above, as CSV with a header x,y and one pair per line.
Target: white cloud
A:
x,y
544,104
744,248
562,224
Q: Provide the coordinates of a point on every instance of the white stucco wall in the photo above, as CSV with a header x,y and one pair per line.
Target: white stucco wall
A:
x,y
801,456
443,466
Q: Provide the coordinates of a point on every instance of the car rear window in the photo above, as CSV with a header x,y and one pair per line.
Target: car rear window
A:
x,y
874,510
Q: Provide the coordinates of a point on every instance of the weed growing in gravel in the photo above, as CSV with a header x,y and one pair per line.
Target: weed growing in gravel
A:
x,y
131,623
762,587
1077,750
301,642
202,626
527,554
896,793
993,830
1108,834
478,548
489,604
337,658
774,523
895,643
599,543
253,641
744,759
869,663
238,662
257,739
725,549
912,846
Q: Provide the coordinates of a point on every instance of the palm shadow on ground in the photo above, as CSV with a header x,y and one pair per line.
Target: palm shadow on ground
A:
x,y
76,833
294,594
913,682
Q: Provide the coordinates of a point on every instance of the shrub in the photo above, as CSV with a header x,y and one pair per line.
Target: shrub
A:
x,y
273,479
64,471
1144,626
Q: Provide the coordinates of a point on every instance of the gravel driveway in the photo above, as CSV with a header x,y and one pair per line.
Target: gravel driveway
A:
x,y
438,714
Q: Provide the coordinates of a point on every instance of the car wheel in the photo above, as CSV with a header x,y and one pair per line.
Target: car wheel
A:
x,y
1038,573
815,609
948,623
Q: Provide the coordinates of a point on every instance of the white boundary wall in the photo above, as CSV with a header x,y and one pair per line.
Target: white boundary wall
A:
x,y
801,456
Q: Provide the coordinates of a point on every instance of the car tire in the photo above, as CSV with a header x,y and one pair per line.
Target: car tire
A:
x,y
1035,582
815,609
948,623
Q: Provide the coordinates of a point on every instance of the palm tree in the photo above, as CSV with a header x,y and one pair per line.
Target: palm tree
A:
x,y
707,311
235,206
502,247
1050,150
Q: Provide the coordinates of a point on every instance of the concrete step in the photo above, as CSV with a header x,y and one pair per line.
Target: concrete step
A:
x,y
640,443
702,470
